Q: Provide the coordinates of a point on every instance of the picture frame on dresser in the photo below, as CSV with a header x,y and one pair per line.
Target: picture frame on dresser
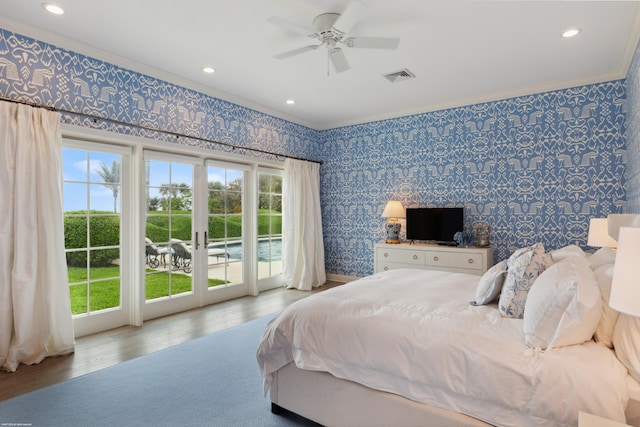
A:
x,y
471,260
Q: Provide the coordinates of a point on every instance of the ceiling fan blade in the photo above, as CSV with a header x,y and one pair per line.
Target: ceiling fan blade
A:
x,y
338,59
372,42
297,51
351,15
276,20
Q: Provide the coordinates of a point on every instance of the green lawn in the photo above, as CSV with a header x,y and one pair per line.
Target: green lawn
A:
x,y
106,294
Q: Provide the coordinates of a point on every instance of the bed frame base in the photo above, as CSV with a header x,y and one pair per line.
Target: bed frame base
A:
x,y
276,409
330,401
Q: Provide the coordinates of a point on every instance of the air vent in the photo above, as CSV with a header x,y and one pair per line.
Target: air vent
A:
x,y
399,76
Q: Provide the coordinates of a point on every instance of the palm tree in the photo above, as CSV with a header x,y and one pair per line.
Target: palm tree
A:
x,y
111,177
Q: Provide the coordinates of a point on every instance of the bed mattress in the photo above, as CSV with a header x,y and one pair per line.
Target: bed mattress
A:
x,y
413,333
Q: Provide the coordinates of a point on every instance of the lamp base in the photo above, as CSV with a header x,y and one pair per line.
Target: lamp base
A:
x,y
393,232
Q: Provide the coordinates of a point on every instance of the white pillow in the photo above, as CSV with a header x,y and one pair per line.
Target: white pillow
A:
x,y
601,257
523,267
563,306
490,284
567,251
604,331
626,341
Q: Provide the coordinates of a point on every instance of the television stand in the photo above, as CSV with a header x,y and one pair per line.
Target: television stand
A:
x,y
457,259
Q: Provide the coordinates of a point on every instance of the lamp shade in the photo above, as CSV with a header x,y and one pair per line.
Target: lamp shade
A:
x,y
625,286
599,234
615,221
394,209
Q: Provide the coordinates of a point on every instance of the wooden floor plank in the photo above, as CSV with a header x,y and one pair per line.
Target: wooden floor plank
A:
x,y
98,351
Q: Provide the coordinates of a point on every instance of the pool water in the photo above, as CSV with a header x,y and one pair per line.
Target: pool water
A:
x,y
264,246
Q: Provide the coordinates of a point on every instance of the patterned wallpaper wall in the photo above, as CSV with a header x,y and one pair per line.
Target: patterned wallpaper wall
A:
x,y
40,73
535,168
633,135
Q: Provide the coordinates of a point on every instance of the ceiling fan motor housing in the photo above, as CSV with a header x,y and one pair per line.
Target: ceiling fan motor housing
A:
x,y
324,31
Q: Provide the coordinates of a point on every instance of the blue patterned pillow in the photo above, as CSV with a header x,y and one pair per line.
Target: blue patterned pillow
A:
x,y
524,267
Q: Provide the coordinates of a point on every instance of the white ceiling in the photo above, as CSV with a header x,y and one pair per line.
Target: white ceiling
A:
x,y
461,52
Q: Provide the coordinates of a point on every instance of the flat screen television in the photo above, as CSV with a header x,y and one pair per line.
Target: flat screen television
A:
x,y
434,224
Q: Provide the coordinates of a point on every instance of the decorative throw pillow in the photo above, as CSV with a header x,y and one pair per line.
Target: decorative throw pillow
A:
x,y
563,306
490,284
566,252
604,331
523,267
626,341
601,257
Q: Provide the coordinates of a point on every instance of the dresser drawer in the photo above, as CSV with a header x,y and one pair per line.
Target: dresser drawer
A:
x,y
401,256
384,266
461,260
432,257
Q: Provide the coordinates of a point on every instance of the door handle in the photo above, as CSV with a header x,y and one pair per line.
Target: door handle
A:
x,y
197,244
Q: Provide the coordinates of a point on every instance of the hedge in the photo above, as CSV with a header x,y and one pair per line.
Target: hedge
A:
x,y
104,230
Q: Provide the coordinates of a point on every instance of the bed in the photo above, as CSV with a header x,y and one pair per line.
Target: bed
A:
x,y
406,347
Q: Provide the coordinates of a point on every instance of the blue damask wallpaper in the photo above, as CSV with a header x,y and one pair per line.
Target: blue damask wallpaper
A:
x,y
38,72
633,135
535,168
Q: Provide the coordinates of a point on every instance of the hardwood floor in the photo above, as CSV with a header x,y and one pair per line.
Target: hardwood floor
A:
x,y
109,348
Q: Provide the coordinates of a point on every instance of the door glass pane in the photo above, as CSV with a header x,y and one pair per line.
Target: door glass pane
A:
x,y
92,222
224,230
269,225
169,218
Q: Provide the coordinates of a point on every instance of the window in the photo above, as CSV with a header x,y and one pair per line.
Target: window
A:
x,y
92,224
269,223
123,239
169,219
225,189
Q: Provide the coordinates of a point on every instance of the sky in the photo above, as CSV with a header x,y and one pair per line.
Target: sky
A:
x,y
84,189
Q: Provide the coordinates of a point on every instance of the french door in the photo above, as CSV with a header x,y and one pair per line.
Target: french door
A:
x,y
96,180
149,233
194,239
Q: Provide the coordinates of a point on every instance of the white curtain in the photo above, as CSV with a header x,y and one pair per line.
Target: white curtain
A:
x,y
35,311
302,244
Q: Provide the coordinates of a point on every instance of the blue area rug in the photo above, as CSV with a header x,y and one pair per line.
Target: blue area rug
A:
x,y
210,381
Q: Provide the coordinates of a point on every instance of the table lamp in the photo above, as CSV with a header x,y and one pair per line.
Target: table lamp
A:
x,y
615,221
599,234
625,285
393,211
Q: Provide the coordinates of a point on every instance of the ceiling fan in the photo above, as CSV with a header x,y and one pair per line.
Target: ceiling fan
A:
x,y
331,30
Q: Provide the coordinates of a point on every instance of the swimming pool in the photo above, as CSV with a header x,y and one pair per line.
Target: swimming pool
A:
x,y
268,250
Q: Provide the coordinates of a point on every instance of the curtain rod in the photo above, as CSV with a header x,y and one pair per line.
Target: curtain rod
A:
x,y
167,132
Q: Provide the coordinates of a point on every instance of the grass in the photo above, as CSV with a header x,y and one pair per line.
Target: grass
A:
x,y
106,293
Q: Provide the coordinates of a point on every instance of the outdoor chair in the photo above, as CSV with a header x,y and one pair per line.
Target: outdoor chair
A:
x,y
152,253
181,255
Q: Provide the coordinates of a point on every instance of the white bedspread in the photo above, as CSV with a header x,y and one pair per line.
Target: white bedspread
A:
x,y
413,333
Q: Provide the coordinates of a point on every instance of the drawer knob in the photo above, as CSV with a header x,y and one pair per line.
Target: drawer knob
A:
x,y
415,257
386,268
386,254
470,260
435,258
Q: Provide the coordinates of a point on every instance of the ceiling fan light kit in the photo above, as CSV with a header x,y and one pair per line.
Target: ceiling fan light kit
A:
x,y
330,29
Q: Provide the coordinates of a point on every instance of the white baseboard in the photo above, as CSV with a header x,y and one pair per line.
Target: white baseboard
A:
x,y
341,278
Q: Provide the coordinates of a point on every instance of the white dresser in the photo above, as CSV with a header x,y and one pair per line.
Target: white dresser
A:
x,y
433,257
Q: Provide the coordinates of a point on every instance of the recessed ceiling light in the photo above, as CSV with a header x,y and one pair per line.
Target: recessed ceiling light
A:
x,y
52,8
571,32
290,101
209,70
